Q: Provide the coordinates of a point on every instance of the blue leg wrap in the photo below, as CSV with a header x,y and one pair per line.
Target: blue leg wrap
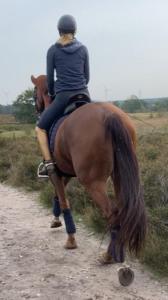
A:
x,y
69,222
116,250
56,207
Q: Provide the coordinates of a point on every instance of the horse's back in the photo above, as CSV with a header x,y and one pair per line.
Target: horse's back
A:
x,y
93,115
82,146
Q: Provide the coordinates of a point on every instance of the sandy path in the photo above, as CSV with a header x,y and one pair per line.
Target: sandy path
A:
x,y
34,264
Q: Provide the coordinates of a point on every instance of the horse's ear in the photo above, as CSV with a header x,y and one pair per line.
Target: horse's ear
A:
x,y
33,79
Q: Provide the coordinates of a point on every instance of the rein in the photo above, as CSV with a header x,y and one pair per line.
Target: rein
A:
x,y
35,97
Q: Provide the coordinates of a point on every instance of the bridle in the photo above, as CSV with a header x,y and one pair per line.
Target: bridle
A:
x,y
35,97
38,109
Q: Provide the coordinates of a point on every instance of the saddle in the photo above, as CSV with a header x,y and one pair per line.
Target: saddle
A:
x,y
74,103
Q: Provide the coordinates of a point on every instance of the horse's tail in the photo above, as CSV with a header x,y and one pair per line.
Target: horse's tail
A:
x,y
131,213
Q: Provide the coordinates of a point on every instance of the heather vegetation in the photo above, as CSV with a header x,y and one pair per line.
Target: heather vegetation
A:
x,y
19,157
134,105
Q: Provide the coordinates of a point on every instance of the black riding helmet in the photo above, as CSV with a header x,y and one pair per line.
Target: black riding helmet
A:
x,y
66,24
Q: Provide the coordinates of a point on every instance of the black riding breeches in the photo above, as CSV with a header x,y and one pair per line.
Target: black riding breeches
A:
x,y
57,107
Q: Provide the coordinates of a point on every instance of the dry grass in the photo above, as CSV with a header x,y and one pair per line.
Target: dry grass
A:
x,y
150,122
7,119
16,130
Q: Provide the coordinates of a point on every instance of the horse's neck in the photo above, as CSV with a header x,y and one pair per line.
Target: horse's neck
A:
x,y
47,101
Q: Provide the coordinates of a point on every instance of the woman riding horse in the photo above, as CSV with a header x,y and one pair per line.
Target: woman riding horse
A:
x,y
96,142
69,58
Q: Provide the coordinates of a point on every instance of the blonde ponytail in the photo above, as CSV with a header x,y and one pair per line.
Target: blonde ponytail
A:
x,y
65,38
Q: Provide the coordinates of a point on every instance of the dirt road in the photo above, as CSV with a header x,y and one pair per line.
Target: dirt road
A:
x,y
34,264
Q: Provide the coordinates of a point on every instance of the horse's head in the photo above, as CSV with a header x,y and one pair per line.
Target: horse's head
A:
x,y
41,98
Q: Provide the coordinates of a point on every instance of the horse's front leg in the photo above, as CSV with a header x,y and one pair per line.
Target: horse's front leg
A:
x,y
55,223
58,183
56,207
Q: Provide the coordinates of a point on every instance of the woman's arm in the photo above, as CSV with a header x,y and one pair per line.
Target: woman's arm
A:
x,y
86,66
50,72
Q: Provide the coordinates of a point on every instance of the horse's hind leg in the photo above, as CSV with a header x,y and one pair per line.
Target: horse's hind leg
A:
x,y
58,183
98,193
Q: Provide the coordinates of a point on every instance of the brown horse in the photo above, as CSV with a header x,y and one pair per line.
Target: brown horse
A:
x,y
95,142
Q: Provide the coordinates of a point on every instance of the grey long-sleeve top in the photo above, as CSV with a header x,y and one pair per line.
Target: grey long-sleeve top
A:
x,y
71,63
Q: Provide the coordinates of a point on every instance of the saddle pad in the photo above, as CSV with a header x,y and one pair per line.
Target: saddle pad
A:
x,y
53,131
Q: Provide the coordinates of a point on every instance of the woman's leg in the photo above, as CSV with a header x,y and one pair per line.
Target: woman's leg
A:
x,y
43,143
51,114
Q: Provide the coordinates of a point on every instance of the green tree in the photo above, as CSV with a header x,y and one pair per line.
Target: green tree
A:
x,y
133,104
6,109
117,103
161,105
23,107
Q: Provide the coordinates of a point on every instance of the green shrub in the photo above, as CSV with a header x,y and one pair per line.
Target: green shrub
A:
x,y
155,254
151,153
19,158
153,159
46,194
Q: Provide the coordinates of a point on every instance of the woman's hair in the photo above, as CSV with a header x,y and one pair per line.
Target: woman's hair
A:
x,y
65,38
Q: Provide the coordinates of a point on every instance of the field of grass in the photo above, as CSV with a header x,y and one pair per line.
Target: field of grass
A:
x,y
7,119
19,157
146,123
9,128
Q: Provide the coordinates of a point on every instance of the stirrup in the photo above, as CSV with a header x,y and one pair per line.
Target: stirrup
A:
x,y
45,167
41,165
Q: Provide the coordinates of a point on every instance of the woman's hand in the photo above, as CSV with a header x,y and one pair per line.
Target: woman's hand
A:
x,y
52,97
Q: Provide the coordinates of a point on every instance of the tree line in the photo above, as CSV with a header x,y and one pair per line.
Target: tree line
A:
x,y
6,109
139,105
22,108
24,111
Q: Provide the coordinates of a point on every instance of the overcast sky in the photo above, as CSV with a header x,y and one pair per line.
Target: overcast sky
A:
x,y
127,41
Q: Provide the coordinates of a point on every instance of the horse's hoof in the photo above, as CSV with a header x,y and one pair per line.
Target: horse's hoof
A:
x,y
71,244
55,223
125,276
105,258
